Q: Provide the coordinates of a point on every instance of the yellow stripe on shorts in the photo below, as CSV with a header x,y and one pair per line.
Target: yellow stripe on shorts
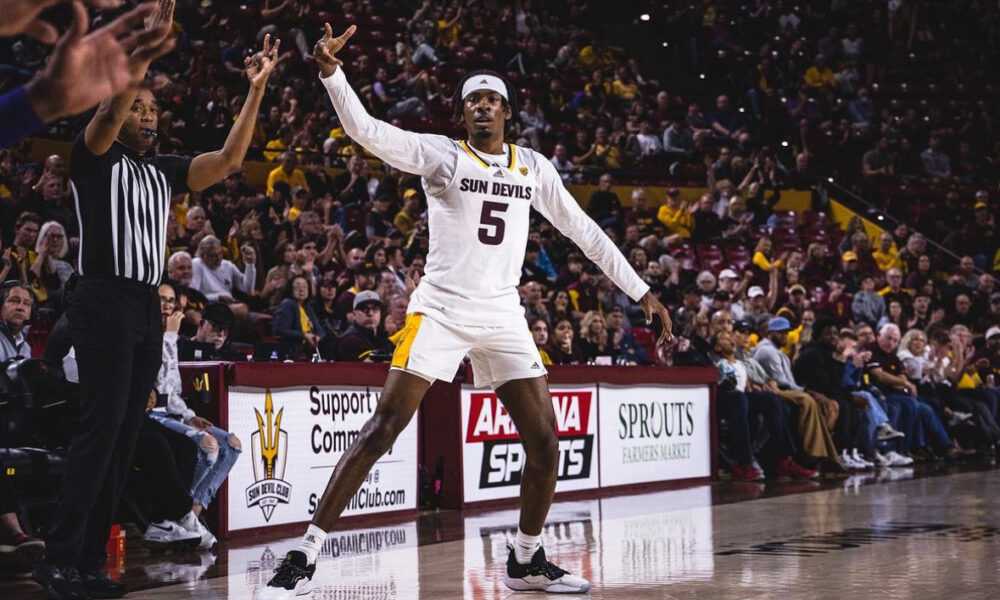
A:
x,y
403,339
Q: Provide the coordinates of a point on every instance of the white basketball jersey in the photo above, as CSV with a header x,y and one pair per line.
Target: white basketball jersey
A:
x,y
478,231
478,209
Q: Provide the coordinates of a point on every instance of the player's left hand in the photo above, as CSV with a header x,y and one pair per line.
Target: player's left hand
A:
x,y
260,65
325,52
651,305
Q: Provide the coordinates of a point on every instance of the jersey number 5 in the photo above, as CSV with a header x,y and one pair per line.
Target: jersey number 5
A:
x,y
489,219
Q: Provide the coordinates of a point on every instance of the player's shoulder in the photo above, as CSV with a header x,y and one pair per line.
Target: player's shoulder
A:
x,y
530,158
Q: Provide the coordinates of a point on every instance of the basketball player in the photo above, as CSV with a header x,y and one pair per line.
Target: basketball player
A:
x,y
479,193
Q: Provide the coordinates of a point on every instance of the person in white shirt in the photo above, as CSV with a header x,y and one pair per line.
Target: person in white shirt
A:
x,y
218,449
646,143
479,193
567,169
217,278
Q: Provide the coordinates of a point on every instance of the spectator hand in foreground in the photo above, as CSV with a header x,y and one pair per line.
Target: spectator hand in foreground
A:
x,y
87,68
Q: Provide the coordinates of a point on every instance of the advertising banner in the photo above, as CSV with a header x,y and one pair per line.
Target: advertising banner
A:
x,y
292,440
654,433
493,458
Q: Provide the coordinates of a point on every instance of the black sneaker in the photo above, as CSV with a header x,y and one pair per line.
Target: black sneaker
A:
x,y
100,586
293,577
61,583
541,575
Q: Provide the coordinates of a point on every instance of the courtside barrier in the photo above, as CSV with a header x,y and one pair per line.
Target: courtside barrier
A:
x,y
619,428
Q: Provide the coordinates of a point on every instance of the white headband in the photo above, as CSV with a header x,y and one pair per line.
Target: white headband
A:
x,y
485,82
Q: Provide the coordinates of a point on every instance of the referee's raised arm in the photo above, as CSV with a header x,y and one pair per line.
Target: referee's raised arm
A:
x,y
103,128
212,167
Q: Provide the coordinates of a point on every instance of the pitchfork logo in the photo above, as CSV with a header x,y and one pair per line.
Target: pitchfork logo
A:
x,y
270,451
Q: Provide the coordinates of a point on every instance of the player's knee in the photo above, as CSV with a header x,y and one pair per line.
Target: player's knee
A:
x,y
544,450
380,433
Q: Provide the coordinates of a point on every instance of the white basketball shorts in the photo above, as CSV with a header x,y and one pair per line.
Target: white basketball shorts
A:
x,y
433,349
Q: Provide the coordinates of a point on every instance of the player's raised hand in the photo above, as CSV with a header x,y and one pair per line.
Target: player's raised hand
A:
x,y
260,65
325,52
651,305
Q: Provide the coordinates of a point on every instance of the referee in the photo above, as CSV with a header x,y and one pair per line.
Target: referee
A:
x,y
122,190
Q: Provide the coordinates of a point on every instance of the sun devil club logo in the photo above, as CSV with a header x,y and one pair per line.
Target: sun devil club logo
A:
x,y
270,451
523,170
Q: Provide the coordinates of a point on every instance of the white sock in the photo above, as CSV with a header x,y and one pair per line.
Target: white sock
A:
x,y
525,546
311,543
189,521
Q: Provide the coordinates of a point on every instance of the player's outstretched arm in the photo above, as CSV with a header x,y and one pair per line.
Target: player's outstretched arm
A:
x,y
558,206
416,153
207,169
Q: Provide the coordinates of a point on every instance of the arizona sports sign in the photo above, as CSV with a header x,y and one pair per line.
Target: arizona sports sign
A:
x,y
492,455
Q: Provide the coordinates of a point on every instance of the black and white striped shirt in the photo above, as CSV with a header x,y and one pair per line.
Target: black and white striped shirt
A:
x,y
122,203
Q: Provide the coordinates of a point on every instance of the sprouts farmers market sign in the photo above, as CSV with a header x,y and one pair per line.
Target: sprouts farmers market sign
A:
x,y
654,433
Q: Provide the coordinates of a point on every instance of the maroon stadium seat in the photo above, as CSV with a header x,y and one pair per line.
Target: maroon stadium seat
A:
x,y
813,220
738,256
786,218
647,339
785,239
686,258
710,256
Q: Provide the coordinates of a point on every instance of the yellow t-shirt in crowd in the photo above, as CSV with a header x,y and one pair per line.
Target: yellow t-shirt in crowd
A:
x,y
887,289
297,178
625,91
609,156
970,382
307,325
763,263
815,78
276,147
448,35
887,260
404,223
677,220
546,359
181,211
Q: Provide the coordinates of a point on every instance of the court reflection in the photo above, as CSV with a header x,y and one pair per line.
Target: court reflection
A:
x,y
361,563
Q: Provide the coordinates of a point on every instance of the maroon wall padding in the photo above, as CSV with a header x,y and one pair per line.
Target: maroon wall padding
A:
x,y
440,436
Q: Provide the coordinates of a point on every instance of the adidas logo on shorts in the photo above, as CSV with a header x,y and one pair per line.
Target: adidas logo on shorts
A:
x,y
535,366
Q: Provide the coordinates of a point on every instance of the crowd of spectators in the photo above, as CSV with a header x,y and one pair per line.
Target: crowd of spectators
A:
x,y
848,348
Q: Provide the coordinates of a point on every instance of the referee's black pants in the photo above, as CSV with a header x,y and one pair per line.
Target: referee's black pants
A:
x,y
117,335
